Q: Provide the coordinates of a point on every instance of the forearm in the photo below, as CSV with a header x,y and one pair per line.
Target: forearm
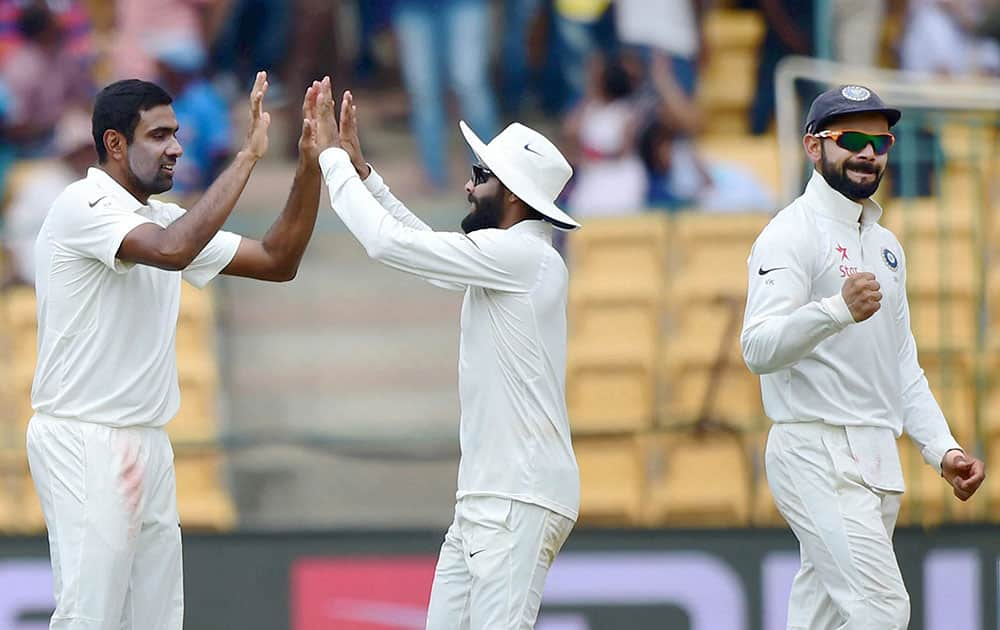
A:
x,y
773,343
187,236
286,240
377,187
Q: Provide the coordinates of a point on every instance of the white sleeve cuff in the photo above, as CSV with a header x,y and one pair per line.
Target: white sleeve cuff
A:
x,y
336,167
374,182
935,451
837,308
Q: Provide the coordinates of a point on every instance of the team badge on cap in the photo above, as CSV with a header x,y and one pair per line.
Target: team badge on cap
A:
x,y
890,259
855,93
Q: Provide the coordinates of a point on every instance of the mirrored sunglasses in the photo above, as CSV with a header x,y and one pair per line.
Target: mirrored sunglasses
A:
x,y
856,141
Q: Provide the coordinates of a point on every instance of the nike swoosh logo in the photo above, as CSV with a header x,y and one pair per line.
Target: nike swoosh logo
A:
x,y
476,552
528,148
764,272
96,201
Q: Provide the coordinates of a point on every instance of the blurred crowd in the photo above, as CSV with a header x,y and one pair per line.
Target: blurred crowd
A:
x,y
621,77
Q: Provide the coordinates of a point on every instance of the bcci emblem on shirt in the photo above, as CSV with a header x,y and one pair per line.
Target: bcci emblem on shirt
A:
x,y
890,259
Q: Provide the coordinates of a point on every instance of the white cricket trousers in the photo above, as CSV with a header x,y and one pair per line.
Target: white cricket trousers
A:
x,y
110,505
849,578
493,564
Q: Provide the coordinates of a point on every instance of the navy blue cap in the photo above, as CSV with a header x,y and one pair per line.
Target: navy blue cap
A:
x,y
843,100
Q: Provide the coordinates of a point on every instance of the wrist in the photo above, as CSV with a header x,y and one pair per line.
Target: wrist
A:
x,y
247,156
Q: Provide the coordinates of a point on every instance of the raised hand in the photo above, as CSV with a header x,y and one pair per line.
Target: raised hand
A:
x,y
256,142
964,473
308,147
863,295
349,140
327,132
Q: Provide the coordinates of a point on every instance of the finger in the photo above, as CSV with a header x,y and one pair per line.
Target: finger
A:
x,y
344,117
862,275
307,129
306,103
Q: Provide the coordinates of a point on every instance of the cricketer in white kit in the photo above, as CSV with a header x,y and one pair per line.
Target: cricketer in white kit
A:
x,y
109,266
518,482
827,327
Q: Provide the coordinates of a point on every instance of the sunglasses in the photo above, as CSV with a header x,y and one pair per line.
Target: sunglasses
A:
x,y
856,141
480,174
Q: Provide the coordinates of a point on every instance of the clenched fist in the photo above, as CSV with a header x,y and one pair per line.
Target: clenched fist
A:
x,y
863,296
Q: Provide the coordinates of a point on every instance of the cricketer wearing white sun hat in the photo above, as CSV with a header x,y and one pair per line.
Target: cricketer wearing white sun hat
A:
x,y
529,165
518,490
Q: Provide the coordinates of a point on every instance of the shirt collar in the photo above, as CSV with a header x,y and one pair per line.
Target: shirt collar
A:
x,y
831,203
541,229
106,186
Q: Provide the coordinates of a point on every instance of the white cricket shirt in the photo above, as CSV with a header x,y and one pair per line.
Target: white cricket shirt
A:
x,y
815,362
514,432
106,328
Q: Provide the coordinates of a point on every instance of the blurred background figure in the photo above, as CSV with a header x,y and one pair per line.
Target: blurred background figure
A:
x,y
138,20
582,27
856,29
73,19
314,52
941,37
609,178
45,79
789,25
445,43
38,185
254,35
515,74
205,131
674,27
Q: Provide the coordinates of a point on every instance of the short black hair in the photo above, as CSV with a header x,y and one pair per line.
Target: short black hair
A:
x,y
118,107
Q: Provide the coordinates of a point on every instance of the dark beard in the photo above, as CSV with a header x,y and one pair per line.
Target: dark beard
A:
x,y
160,182
487,213
838,180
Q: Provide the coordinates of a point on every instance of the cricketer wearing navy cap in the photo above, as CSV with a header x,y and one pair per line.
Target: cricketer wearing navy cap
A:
x,y
847,99
827,327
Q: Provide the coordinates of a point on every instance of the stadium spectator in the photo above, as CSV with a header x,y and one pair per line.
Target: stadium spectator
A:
x,y
74,22
254,35
789,32
450,38
941,37
39,186
519,17
671,26
205,131
45,80
138,20
582,28
856,30
610,178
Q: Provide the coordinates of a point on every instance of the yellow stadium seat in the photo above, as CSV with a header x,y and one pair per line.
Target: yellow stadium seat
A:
x,y
735,401
935,268
698,481
30,520
924,499
941,324
697,231
928,217
620,245
610,388
612,479
18,308
201,499
756,154
698,338
727,84
633,322
196,421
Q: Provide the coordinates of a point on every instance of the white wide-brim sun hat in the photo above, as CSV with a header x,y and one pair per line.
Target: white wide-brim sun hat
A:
x,y
529,166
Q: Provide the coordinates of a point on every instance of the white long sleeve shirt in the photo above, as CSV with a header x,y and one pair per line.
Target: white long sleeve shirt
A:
x,y
514,433
816,363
